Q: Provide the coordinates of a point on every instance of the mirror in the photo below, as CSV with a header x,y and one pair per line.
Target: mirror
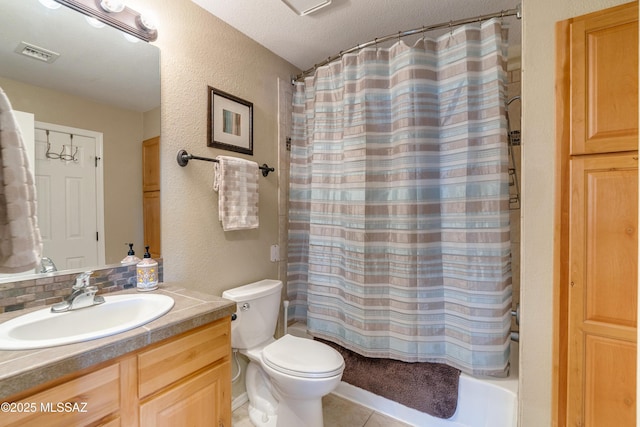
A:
x,y
102,82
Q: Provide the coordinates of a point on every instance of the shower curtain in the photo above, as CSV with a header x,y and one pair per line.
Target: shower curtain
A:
x,y
399,240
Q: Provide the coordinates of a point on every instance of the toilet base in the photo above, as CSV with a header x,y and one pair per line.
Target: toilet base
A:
x,y
267,407
260,418
299,413
262,404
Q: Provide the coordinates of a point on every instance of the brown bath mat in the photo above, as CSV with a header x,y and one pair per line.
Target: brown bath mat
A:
x,y
427,387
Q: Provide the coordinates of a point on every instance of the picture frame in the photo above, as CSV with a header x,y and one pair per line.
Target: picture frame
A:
x,y
229,122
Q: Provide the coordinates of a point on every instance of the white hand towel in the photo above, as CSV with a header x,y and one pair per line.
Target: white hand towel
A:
x,y
20,240
236,181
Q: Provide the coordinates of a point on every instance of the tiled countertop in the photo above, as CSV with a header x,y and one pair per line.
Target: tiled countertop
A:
x,y
23,369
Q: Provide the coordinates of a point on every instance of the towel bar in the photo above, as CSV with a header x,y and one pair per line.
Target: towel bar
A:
x,y
184,157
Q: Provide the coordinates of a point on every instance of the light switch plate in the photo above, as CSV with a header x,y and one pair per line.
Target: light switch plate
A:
x,y
275,253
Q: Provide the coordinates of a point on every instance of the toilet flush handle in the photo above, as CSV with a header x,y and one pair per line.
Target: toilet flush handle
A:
x,y
244,307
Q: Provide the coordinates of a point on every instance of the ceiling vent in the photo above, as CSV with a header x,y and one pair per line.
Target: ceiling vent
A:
x,y
36,52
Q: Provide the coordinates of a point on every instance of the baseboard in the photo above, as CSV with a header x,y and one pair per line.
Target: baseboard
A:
x,y
239,401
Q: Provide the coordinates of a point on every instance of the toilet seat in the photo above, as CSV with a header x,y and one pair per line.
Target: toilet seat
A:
x,y
303,357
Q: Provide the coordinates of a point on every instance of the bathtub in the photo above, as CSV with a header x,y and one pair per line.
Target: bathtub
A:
x,y
481,402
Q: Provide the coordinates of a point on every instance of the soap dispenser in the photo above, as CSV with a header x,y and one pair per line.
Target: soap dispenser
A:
x,y
147,272
131,256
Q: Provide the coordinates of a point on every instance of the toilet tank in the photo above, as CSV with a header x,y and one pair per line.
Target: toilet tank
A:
x,y
257,311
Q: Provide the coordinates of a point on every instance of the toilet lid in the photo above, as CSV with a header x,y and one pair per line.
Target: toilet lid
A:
x,y
303,357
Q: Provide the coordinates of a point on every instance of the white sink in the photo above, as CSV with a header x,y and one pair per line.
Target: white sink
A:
x,y
119,313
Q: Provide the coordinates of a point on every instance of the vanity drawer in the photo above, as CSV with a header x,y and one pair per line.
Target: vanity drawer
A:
x,y
171,361
80,401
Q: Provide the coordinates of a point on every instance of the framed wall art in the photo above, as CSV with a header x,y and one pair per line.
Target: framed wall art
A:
x,y
229,122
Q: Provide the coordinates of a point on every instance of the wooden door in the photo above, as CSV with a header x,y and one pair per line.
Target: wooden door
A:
x,y
151,195
151,212
603,290
604,81
597,132
151,164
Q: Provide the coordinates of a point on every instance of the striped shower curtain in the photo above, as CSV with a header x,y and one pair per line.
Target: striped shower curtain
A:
x,y
399,240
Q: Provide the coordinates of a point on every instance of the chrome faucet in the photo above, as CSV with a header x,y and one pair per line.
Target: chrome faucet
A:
x,y
82,295
47,265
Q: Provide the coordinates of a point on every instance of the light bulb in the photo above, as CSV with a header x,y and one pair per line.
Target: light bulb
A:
x,y
113,6
146,22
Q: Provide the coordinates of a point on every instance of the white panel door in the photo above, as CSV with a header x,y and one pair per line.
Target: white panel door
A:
x,y
26,123
67,200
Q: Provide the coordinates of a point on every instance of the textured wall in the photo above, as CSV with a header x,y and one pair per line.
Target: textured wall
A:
x,y
198,50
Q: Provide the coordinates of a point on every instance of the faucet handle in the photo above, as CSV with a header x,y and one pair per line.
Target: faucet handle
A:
x,y
82,280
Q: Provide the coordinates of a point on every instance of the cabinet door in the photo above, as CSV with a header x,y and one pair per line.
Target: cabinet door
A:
x,y
603,291
151,164
151,212
166,364
604,81
199,401
85,400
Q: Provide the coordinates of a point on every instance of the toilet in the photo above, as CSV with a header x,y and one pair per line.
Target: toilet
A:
x,y
286,377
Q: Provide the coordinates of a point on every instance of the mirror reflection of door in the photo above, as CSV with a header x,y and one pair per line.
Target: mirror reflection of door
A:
x,y
70,197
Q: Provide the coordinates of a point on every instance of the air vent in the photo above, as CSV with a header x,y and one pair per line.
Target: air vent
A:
x,y
36,52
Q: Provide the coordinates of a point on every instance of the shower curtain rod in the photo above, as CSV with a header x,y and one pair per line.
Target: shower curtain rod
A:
x,y
504,13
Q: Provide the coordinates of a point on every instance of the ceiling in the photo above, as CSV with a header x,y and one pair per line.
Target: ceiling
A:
x,y
310,39
301,40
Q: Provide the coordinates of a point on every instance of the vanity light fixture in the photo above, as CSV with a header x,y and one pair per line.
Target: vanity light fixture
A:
x,y
146,23
116,14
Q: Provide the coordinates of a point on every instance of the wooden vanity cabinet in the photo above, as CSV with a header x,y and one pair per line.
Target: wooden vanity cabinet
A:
x,y
179,385
85,400
184,380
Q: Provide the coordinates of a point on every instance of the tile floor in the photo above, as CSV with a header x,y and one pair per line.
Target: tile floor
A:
x,y
337,412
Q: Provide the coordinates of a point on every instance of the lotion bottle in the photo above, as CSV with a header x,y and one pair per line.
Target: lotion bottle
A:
x,y
147,273
131,256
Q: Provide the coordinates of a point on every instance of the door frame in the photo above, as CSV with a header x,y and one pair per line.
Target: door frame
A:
x,y
561,231
98,137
